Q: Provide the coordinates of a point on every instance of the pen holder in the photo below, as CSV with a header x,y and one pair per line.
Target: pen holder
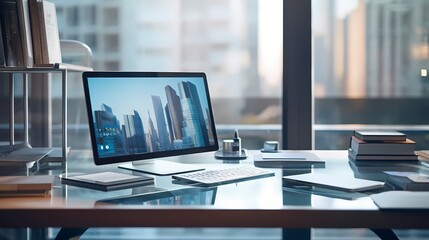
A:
x,y
231,150
231,146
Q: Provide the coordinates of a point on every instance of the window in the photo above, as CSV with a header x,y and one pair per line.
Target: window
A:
x,y
237,43
72,16
111,16
111,43
89,15
370,65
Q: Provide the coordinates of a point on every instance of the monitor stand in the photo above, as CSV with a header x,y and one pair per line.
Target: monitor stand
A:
x,y
160,167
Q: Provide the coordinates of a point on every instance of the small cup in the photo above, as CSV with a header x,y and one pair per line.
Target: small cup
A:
x,y
228,145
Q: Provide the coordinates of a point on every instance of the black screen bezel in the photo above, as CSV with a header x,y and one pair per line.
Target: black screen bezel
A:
x,y
151,155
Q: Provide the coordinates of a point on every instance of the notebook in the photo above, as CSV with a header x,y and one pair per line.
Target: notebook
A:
x,y
334,181
288,159
105,181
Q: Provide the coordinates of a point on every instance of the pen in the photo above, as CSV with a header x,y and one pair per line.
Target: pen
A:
x,y
236,147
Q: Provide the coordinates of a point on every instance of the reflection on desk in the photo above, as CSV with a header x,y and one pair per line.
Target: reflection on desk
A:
x,y
309,190
185,196
375,172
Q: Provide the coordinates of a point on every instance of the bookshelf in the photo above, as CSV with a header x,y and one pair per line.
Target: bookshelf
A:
x,y
60,68
30,44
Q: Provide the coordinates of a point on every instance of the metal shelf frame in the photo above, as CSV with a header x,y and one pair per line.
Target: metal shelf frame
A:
x,y
48,68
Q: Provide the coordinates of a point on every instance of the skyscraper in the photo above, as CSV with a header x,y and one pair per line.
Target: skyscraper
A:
x,y
194,123
169,123
164,139
109,134
152,137
174,110
134,133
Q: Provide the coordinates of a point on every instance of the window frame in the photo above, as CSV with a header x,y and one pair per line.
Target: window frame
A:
x,y
297,100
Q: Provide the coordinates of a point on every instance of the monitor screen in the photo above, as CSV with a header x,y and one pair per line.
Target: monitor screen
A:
x,y
145,115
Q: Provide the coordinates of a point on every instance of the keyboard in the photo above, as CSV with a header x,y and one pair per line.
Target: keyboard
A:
x,y
222,176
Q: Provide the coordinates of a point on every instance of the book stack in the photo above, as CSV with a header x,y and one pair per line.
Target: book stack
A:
x,y
380,146
12,186
28,34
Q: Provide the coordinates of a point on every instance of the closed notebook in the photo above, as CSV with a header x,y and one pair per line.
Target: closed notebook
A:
x,y
106,181
387,158
334,181
380,135
359,146
288,159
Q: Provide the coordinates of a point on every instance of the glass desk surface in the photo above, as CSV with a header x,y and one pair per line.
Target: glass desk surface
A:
x,y
236,204
262,193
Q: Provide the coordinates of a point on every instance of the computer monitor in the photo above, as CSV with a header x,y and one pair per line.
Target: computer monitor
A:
x,y
136,116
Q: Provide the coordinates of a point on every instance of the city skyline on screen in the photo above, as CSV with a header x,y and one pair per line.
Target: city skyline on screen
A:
x,y
141,115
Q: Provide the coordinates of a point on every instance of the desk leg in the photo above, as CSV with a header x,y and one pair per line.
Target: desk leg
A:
x,y
385,234
290,234
296,199
37,233
70,233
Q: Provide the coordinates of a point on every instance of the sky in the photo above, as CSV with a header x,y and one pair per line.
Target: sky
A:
x,y
345,6
342,9
270,36
136,94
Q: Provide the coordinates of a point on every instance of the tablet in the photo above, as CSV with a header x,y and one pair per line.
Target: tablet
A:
x,y
333,181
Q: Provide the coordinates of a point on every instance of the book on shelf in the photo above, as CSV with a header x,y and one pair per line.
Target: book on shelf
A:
x,y
2,51
49,36
25,30
373,157
403,180
29,34
380,135
360,146
38,185
11,34
35,31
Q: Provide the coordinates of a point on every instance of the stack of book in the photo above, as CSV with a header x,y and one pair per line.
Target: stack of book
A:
x,y
12,186
368,146
28,34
